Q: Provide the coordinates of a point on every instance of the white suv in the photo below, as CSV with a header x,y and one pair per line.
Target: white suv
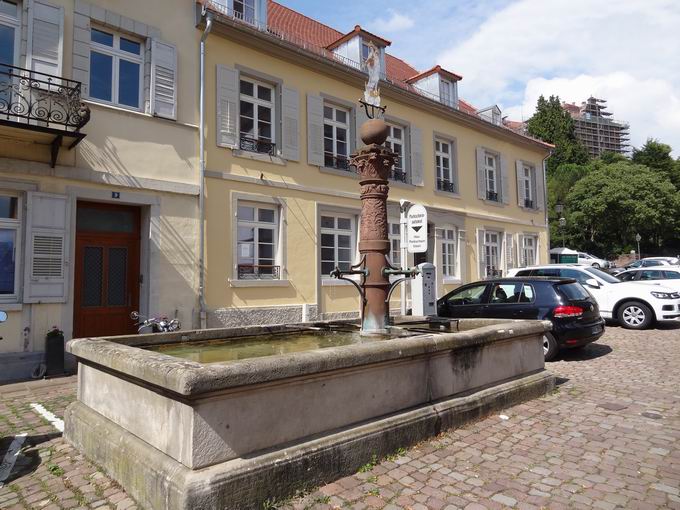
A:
x,y
635,305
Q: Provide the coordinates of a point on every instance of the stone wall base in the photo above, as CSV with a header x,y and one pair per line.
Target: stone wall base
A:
x,y
158,482
19,366
270,315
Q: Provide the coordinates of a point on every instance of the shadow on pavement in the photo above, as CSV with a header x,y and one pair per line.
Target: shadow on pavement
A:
x,y
590,351
29,459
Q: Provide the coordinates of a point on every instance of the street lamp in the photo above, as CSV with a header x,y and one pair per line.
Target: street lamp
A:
x,y
638,238
563,223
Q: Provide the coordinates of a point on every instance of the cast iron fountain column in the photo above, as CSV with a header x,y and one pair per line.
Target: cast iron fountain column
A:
x,y
373,162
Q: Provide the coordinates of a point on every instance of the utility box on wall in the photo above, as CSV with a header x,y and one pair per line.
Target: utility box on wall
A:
x,y
424,291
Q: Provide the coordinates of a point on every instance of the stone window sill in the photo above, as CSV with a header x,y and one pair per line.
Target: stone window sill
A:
x,y
256,156
493,203
11,306
447,194
334,282
258,283
452,280
341,173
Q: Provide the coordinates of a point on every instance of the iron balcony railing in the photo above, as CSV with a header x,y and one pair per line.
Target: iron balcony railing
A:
x,y
258,145
492,195
39,99
337,162
398,175
258,272
528,203
446,185
492,272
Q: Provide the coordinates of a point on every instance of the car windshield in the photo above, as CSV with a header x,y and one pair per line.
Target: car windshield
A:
x,y
602,275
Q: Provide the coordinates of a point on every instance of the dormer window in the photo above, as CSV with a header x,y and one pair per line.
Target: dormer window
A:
x,y
438,84
365,51
354,47
245,10
446,92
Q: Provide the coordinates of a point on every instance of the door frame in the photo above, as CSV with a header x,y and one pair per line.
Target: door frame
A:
x,y
149,253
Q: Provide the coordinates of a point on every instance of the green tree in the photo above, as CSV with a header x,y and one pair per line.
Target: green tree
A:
x,y
611,203
657,155
553,124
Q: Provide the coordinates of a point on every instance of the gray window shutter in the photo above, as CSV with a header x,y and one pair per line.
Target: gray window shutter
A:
x,y
81,46
47,244
163,79
315,130
520,244
45,38
509,252
481,182
360,118
417,171
519,168
290,106
462,256
539,188
505,181
227,107
481,262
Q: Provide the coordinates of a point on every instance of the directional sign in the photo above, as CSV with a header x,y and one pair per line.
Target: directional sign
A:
x,y
416,229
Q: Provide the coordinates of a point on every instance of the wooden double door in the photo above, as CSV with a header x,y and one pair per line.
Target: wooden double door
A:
x,y
107,278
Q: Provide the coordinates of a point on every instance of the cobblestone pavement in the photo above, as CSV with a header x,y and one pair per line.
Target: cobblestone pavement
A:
x,y
608,437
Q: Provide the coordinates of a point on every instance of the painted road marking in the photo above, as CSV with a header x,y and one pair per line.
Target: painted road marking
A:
x,y
57,423
11,457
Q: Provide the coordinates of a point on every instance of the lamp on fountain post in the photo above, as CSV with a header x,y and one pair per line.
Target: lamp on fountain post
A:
x,y
559,209
638,238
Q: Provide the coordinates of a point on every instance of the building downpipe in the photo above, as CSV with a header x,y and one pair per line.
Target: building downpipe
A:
x,y
545,198
203,315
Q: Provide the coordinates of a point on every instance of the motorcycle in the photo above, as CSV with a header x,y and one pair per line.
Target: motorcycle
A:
x,y
155,324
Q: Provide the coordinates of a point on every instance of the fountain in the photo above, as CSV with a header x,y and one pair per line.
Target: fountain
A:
x,y
232,418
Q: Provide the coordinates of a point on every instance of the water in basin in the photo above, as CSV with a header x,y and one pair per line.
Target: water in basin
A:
x,y
231,349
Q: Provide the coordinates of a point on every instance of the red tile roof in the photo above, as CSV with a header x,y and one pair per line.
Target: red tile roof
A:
x,y
436,69
379,41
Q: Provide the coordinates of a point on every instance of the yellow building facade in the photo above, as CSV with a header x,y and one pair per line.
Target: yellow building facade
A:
x,y
98,169
282,202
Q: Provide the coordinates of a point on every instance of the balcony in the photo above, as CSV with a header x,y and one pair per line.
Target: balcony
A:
x,y
492,272
259,145
398,176
41,108
337,162
492,196
528,203
258,272
446,185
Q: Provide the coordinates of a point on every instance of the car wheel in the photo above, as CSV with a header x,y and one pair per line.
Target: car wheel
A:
x,y
596,265
635,315
549,346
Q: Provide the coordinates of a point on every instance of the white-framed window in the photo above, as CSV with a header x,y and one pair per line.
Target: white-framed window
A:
x,y
443,155
448,243
337,242
257,241
336,134
529,250
491,176
395,243
256,115
527,183
10,245
395,142
446,93
116,68
492,251
10,34
245,10
365,52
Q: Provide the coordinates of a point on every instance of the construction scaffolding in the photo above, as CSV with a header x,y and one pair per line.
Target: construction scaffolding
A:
x,y
595,128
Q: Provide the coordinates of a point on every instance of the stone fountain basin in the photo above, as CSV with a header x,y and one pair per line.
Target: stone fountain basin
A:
x,y
182,434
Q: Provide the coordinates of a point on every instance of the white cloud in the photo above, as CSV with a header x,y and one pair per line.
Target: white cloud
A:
x,y
396,22
625,52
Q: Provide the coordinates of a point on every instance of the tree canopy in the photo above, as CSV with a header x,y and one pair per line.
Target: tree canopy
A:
x,y
657,155
553,124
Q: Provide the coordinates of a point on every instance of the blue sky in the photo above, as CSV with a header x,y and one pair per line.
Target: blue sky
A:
x,y
511,51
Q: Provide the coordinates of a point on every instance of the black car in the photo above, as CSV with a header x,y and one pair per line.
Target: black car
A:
x,y
563,301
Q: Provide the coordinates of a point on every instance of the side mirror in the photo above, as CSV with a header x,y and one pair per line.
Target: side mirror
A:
x,y
3,316
592,282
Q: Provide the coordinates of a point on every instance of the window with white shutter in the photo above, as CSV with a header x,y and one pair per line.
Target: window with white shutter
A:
x,y
45,38
10,246
163,79
46,274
